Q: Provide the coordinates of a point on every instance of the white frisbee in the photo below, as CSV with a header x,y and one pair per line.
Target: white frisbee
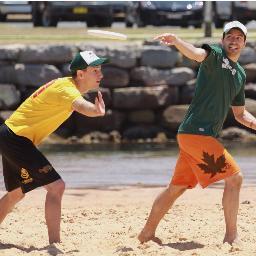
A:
x,y
106,34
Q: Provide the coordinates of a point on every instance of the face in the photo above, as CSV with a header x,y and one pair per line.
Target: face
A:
x,y
233,42
90,77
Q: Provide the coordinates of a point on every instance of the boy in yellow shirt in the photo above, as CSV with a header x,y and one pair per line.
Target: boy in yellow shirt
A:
x,y
24,166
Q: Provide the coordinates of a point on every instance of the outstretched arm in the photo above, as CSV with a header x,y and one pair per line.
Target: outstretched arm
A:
x,y
187,49
244,117
89,109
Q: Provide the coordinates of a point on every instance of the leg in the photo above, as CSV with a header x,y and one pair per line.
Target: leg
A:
x,y
54,194
8,201
230,202
161,205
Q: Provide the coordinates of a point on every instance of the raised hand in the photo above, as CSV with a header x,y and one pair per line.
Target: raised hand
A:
x,y
100,105
166,38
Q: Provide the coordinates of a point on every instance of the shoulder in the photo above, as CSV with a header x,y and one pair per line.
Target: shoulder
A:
x,y
215,48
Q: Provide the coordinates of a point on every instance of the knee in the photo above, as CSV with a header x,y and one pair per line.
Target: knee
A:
x,y
235,181
15,195
176,190
57,188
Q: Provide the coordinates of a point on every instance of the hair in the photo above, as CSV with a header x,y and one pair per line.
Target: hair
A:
x,y
223,35
74,74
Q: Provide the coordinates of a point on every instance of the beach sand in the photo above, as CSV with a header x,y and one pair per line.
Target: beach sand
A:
x,y
107,222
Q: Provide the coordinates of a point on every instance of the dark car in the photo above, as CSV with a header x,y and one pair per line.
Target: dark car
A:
x,y
159,13
13,8
94,13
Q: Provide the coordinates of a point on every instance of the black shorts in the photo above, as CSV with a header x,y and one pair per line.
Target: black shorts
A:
x,y
23,164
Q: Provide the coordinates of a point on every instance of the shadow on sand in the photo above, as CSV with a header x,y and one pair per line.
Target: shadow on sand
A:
x,y
184,246
51,249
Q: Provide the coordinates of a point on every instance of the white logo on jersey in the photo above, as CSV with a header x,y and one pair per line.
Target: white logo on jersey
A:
x,y
225,64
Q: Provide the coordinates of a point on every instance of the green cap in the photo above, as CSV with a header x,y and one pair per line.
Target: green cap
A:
x,y
84,59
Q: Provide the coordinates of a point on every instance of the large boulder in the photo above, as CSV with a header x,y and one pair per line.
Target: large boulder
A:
x,y
151,76
10,52
7,74
114,77
5,115
135,98
46,54
173,116
106,95
142,117
187,92
141,132
250,70
158,57
237,134
9,97
123,57
250,91
112,120
34,74
248,55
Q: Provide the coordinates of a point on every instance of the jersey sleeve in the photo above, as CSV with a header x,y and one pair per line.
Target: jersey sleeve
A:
x,y
68,95
239,100
211,60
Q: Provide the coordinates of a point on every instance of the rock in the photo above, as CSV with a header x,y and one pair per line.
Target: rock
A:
x,y
112,120
186,62
106,95
7,74
251,106
10,52
151,76
34,74
4,115
94,137
141,132
123,57
142,117
114,77
158,57
250,70
237,134
250,91
9,97
136,98
173,116
248,55
187,92
46,54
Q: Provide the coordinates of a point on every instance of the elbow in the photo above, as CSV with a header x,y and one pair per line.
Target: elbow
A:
x,y
238,118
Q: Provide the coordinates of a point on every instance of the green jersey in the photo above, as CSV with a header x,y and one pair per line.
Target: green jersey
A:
x,y
220,85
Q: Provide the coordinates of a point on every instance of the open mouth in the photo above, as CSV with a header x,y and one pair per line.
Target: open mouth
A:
x,y
233,48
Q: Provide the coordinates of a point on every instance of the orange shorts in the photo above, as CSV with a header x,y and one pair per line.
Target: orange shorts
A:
x,y
203,160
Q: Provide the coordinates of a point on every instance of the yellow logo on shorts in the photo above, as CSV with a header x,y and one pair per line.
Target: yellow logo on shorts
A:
x,y
25,176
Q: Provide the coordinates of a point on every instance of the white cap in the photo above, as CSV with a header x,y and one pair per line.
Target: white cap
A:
x,y
235,24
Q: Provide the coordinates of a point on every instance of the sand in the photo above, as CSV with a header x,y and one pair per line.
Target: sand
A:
x,y
107,222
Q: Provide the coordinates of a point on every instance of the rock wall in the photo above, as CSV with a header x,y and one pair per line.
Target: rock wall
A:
x,y
146,88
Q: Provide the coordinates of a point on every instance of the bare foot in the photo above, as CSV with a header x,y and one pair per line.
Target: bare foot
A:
x,y
232,241
143,238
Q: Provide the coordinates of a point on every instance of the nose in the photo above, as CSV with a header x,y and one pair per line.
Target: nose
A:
x,y
100,75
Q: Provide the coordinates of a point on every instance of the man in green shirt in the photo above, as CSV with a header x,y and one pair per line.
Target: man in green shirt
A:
x,y
202,158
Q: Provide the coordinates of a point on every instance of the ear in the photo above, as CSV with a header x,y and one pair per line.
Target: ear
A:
x,y
80,74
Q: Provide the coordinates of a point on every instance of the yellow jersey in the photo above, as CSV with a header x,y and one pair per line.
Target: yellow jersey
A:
x,y
45,110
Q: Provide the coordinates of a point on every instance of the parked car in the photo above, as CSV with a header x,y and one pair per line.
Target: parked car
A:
x,y
159,13
13,7
224,11
119,9
94,13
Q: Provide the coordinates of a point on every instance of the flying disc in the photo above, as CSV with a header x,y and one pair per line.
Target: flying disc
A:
x,y
106,34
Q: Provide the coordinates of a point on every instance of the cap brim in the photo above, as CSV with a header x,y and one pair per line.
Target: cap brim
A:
x,y
99,61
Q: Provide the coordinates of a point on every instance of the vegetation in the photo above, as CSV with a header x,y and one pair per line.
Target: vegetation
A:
x,y
11,34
